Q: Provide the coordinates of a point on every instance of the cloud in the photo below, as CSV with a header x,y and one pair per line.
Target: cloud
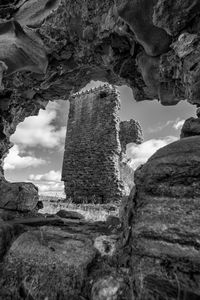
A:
x,y
40,130
50,188
139,154
160,127
16,161
48,183
178,124
53,176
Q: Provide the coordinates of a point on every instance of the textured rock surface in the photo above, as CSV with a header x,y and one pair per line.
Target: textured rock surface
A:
x,y
7,234
138,14
18,196
191,127
62,262
164,236
52,263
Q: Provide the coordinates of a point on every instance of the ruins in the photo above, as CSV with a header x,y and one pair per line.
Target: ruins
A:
x,y
94,143
51,49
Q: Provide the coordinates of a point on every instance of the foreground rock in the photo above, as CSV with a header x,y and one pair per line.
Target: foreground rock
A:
x,y
22,197
47,263
61,259
165,234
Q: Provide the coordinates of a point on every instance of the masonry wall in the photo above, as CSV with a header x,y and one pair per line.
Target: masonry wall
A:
x,y
92,150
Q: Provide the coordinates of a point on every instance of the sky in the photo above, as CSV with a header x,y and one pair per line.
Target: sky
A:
x,y
38,149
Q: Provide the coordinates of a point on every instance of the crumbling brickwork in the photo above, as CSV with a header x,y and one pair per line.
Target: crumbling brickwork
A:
x,y
130,132
92,149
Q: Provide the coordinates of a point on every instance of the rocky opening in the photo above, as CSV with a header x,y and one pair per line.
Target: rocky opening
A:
x,y
115,42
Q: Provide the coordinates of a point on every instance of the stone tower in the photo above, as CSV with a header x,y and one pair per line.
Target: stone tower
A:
x,y
92,149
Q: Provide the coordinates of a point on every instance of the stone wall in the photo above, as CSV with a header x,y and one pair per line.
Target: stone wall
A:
x,y
92,150
130,132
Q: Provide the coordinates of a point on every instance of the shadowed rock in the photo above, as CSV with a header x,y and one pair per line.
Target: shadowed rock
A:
x,y
139,15
33,13
67,214
3,69
149,68
191,127
21,49
7,234
184,11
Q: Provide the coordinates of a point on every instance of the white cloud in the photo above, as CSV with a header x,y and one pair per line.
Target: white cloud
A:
x,y
48,183
178,124
40,130
139,154
49,187
53,176
160,127
15,161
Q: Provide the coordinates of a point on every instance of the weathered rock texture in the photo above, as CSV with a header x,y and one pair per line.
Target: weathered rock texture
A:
x,y
22,197
164,222
60,259
86,40
191,127
92,149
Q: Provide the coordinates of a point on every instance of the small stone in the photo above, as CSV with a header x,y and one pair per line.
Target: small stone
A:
x,y
108,288
106,245
69,214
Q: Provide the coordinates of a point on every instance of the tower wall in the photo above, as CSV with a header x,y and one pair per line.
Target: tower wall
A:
x,y
92,149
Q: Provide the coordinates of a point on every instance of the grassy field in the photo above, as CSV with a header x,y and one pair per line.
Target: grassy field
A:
x,y
93,212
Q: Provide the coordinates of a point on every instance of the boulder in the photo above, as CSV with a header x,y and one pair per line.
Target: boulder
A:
x,y
191,127
18,196
165,231
46,264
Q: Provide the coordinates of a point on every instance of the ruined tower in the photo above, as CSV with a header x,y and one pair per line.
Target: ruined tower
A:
x,y
92,149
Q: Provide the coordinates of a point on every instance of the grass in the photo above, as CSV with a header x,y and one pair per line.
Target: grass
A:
x,y
91,212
